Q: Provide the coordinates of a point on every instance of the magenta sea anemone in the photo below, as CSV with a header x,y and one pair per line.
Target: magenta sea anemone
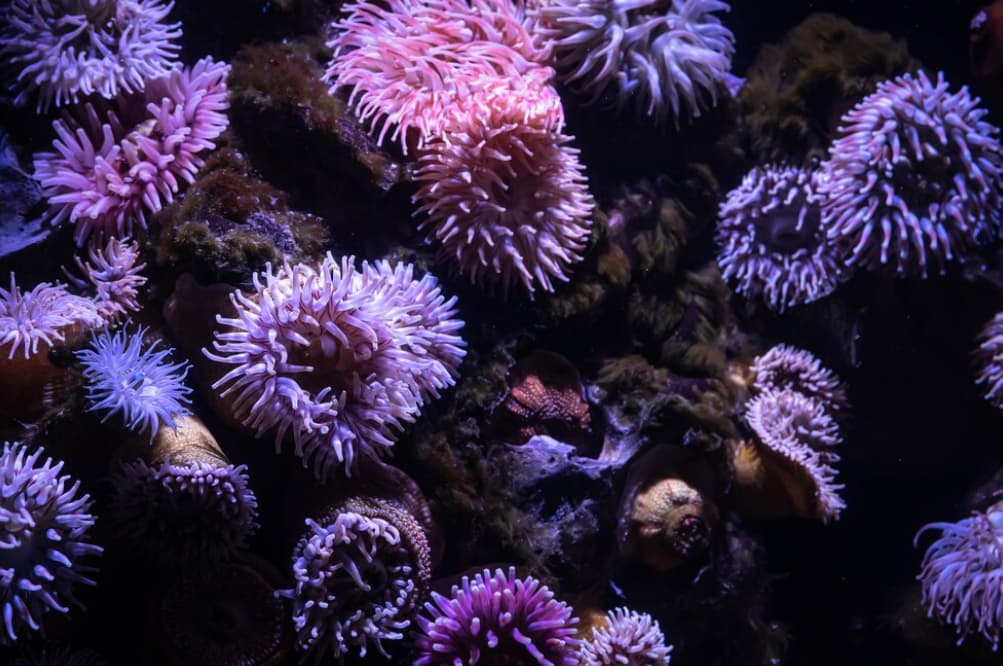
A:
x,y
667,60
115,272
342,357
41,315
988,358
195,512
962,574
67,49
786,367
44,521
497,618
627,638
112,167
800,430
914,179
408,62
505,196
361,571
772,243
123,376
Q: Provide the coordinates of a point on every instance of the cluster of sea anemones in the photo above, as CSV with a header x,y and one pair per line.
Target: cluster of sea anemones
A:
x,y
340,357
467,85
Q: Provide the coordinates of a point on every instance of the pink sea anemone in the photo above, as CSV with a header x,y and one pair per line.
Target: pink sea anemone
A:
x,y
800,430
787,367
408,62
339,356
41,315
496,619
962,574
505,195
115,273
668,60
67,49
110,168
627,638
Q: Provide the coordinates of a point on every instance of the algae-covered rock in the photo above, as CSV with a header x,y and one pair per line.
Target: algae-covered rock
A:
x,y
796,91
230,224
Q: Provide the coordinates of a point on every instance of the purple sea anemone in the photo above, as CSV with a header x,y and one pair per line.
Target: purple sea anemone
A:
x,y
914,180
786,367
67,49
665,59
115,272
800,430
772,242
505,195
627,639
496,619
44,522
962,574
361,572
988,357
408,62
194,512
124,377
111,167
341,357
41,315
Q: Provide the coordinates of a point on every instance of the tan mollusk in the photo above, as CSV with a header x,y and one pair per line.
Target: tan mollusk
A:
x,y
666,516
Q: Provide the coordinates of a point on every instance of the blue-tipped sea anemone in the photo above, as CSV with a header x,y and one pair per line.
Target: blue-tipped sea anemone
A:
x,y
771,239
44,525
914,180
962,574
124,376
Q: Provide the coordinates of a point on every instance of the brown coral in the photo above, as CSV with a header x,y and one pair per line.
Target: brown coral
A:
x,y
545,398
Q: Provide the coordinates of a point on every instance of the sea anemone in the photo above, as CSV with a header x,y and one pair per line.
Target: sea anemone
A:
x,y
45,521
499,618
988,357
361,571
115,272
914,181
342,357
666,59
110,169
408,62
123,377
505,196
772,242
962,574
229,615
786,367
41,315
183,502
66,49
627,638
798,435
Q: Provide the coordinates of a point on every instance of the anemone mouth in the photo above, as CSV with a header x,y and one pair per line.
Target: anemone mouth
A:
x,y
226,616
691,535
919,183
791,228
